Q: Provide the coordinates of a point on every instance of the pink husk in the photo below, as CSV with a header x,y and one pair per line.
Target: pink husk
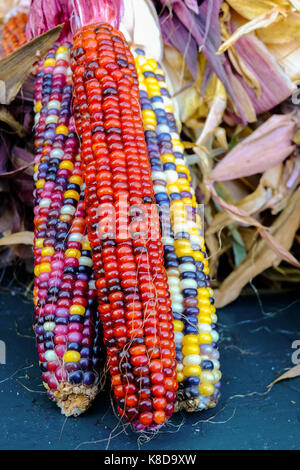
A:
x,y
266,147
87,12
275,84
45,14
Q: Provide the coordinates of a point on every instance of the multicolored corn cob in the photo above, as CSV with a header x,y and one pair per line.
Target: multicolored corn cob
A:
x,y
131,282
186,261
67,330
13,34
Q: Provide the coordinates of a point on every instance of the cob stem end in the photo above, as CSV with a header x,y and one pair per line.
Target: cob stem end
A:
x,y
73,400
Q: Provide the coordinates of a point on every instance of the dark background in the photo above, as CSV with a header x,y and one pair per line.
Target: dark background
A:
x,y
256,337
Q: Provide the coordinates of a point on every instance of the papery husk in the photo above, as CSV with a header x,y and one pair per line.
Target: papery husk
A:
x,y
15,67
140,26
251,204
286,29
288,57
255,153
251,9
215,114
263,21
24,238
261,256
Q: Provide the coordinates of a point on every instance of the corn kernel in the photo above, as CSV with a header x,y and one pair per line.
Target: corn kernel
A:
x,y
71,356
77,310
206,389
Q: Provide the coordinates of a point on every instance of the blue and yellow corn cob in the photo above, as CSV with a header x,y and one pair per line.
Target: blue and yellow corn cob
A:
x,y
196,337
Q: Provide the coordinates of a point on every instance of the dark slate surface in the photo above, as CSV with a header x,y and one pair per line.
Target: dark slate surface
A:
x,y
256,346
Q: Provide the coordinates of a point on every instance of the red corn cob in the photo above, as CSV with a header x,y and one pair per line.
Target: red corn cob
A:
x,y
134,301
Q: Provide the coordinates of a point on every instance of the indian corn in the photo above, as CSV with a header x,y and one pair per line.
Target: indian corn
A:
x,y
66,325
134,300
186,261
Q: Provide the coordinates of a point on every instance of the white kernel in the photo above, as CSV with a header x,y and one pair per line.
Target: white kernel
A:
x,y
50,355
86,261
178,337
187,267
68,209
45,202
49,326
189,284
192,359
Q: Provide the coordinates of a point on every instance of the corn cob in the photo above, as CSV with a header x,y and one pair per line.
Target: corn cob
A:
x,y
186,262
134,301
66,325
13,35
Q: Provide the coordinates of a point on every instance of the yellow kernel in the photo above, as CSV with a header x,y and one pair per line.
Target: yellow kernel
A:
x,y
204,319
190,349
147,113
62,50
191,370
76,179
206,270
38,106
66,165
205,311
204,302
167,158
72,253
65,218
203,292
178,325
190,339
169,109
72,194
62,130
72,356
47,251
49,62
45,268
77,310
206,388
198,255
184,252
180,377
40,184
86,245
152,63
205,338
39,242
177,142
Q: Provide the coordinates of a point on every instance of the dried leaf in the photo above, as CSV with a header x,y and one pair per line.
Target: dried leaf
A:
x,y
261,256
252,9
25,238
8,118
215,114
269,85
15,67
290,374
260,22
251,204
255,154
